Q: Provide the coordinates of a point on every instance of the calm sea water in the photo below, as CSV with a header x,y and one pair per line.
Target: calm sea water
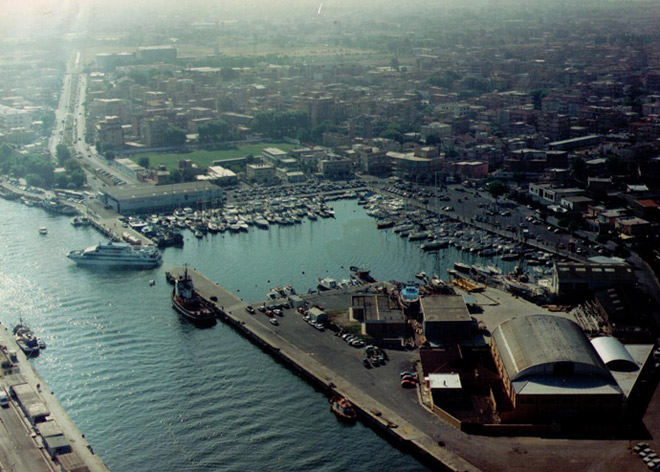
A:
x,y
153,393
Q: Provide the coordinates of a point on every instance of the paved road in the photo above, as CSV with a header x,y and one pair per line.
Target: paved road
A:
x,y
470,206
18,450
74,90
16,444
381,385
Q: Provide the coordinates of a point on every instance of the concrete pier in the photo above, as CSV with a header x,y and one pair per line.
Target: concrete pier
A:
x,y
383,418
21,445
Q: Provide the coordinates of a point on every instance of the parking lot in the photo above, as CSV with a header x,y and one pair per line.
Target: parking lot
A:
x,y
502,216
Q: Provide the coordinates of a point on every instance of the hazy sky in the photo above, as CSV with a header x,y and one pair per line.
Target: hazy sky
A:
x,y
39,18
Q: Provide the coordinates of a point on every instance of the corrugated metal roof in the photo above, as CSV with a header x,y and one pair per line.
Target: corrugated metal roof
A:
x,y
593,272
527,344
125,192
613,353
444,308
559,386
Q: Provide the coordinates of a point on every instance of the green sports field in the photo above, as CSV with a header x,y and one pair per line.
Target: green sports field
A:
x,y
205,158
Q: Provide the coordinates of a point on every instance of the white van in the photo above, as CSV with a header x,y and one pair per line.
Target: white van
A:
x,y
4,399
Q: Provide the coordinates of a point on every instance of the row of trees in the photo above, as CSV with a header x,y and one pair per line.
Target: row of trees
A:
x,y
174,136
74,177
215,131
38,171
278,124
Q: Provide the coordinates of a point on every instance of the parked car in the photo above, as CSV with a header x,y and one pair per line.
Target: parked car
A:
x,y
408,383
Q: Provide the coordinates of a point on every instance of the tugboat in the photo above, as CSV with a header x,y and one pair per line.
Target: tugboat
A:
x,y
26,340
343,409
189,304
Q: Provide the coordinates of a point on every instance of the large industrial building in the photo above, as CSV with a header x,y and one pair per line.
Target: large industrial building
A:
x,y
447,320
381,318
551,372
144,198
570,278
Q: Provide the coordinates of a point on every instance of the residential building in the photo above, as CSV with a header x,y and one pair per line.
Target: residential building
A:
x,y
632,226
14,118
554,126
548,194
260,173
274,156
154,131
152,54
373,161
109,133
290,176
336,168
469,169
436,128
409,166
219,176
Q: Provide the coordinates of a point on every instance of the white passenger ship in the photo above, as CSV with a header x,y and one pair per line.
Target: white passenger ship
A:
x,y
118,255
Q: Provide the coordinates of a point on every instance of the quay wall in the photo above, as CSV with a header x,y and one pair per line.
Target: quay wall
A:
x,y
388,424
82,449
104,230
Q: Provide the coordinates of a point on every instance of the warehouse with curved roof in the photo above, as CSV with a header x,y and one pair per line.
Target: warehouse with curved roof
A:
x,y
550,370
614,354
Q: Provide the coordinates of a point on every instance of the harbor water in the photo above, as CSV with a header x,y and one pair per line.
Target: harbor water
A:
x,y
152,392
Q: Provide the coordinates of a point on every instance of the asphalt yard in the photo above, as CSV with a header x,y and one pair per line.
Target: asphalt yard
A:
x,y
333,360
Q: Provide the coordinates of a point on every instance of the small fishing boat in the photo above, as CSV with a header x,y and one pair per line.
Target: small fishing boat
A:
x,y
343,409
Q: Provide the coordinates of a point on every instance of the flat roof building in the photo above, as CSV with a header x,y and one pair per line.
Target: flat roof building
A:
x,y
446,319
14,118
30,402
70,462
129,167
49,428
575,143
570,278
290,176
220,176
144,198
336,168
151,54
445,389
274,155
260,173
380,317
57,445
317,315
409,166
547,193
